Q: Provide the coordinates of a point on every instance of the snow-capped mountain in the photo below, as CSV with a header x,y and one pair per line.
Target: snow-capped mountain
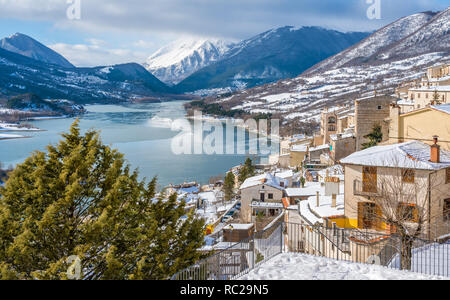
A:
x,y
363,51
29,47
273,55
396,53
176,61
20,75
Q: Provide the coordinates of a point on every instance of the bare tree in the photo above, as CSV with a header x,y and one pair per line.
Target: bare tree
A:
x,y
401,196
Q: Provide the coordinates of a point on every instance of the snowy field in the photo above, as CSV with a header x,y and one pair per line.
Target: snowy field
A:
x,y
294,266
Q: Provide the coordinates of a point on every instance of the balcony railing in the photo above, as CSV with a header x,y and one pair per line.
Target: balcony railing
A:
x,y
365,188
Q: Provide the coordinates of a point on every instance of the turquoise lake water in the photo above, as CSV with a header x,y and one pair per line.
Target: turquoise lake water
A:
x,y
141,131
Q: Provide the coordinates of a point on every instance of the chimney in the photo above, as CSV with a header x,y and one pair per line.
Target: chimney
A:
x,y
435,151
333,201
318,199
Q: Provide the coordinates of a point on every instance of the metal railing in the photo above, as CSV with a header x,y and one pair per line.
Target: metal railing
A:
x,y
237,259
370,247
352,245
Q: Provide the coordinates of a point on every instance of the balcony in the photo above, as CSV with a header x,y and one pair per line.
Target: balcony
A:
x,y
365,188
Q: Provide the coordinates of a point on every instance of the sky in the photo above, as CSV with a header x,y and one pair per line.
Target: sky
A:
x,y
105,32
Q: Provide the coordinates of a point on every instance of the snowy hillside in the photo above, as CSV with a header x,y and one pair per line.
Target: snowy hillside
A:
x,y
29,47
173,63
20,75
294,266
379,40
380,62
270,56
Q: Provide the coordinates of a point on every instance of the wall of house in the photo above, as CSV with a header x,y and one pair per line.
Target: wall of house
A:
x,y
440,190
342,148
421,125
368,113
423,98
296,158
251,194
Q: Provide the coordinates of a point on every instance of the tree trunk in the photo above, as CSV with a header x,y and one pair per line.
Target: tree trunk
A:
x,y
406,253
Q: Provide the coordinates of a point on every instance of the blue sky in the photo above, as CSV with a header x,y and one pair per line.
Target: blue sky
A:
x,y
118,31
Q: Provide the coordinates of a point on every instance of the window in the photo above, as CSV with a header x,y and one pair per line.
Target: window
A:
x,y
379,107
271,196
369,180
447,175
408,212
331,128
447,209
408,175
369,216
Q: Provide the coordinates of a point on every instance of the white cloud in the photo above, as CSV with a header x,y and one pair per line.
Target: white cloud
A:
x,y
95,54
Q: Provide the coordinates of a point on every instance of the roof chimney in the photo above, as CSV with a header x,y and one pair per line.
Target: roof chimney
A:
x,y
435,151
318,199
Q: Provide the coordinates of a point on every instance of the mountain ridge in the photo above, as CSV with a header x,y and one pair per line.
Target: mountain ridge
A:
x,y
288,52
27,46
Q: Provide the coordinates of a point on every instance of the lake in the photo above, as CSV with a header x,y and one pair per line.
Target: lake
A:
x,y
142,132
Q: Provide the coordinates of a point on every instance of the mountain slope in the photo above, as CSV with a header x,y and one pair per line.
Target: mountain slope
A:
x,y
20,74
173,63
29,47
273,55
381,62
369,47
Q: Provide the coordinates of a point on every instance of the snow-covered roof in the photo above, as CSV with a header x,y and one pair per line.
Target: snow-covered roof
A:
x,y
299,148
239,226
264,179
285,174
336,137
443,107
441,88
321,147
324,209
409,155
310,189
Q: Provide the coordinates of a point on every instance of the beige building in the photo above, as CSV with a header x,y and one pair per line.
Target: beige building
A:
x,y
422,124
424,174
425,96
262,194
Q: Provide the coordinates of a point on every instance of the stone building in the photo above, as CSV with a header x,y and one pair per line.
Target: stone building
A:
x,y
369,112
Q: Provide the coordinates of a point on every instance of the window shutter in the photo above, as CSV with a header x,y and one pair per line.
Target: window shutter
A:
x,y
361,215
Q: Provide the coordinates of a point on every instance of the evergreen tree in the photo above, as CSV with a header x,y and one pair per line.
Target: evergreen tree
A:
x,y
436,99
228,186
81,199
375,137
247,170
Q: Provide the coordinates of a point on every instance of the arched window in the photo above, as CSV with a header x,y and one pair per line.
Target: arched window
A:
x,y
331,120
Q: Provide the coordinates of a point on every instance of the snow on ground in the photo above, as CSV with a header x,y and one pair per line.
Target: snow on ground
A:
x,y
430,259
294,266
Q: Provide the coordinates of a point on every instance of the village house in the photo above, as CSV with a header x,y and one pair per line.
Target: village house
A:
x,y
421,124
369,112
425,96
424,172
262,194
